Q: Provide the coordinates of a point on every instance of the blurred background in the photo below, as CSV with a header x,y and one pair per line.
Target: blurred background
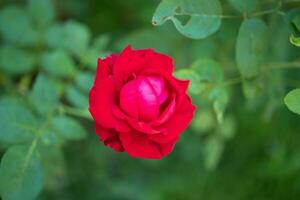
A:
x,y
245,145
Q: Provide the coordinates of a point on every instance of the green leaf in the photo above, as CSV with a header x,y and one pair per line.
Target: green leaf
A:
x,y
203,16
58,63
292,101
15,26
85,81
295,40
44,95
21,176
71,36
220,99
209,71
227,128
244,5
17,123
42,12
68,128
77,98
251,88
90,57
204,121
213,150
251,47
195,86
15,61
296,22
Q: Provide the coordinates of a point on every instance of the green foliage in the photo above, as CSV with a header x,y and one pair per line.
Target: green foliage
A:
x,y
16,27
44,93
68,128
58,63
189,74
244,5
295,40
292,101
20,174
17,123
23,60
204,16
71,36
251,47
42,12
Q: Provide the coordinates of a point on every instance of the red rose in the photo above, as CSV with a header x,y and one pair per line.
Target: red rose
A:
x,y
138,105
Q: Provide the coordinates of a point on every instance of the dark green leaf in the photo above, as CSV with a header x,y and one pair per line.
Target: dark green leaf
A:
x,y
213,150
21,175
16,27
42,12
244,5
44,95
292,100
15,61
68,128
77,98
203,16
85,80
16,121
251,46
71,36
58,63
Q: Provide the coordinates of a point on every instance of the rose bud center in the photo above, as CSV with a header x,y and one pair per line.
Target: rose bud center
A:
x,y
142,97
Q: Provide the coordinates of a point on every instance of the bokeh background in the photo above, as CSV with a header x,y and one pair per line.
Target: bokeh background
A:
x,y
48,57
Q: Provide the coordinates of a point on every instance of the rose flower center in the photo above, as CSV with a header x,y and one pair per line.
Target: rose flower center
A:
x,y
142,97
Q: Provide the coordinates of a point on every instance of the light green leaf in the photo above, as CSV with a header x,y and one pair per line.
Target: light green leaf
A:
x,y
204,121
72,36
85,80
89,58
295,40
251,88
227,128
58,63
21,176
17,123
42,12
209,71
68,128
44,95
213,150
292,101
251,47
244,5
220,99
195,86
204,16
77,98
15,61
16,27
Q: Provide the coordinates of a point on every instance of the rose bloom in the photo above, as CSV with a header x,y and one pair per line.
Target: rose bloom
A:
x,y
138,106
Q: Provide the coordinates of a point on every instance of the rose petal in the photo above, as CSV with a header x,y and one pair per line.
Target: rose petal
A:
x,y
109,137
105,67
139,146
177,123
102,99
